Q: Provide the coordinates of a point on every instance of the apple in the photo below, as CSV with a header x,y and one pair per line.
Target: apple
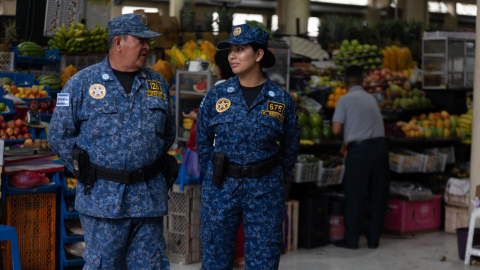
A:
x,y
44,93
14,89
2,119
9,131
12,137
41,111
31,96
3,125
19,123
16,131
28,91
2,132
27,136
11,124
38,96
24,129
43,105
20,137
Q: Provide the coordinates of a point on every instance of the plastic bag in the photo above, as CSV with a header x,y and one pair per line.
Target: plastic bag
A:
x,y
310,104
190,161
29,179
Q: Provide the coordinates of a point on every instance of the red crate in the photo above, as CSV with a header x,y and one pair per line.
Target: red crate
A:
x,y
407,217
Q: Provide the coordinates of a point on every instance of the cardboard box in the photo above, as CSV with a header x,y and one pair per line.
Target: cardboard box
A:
x,y
458,201
455,217
165,25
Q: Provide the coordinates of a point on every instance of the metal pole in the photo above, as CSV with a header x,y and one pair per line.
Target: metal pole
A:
x,y
298,26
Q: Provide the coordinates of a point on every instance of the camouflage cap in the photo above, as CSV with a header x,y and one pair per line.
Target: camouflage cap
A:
x,y
131,24
244,34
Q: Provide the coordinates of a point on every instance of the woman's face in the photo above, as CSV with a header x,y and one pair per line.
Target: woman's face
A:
x,y
242,58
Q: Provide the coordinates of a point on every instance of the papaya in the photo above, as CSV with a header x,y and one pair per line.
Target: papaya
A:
x,y
164,68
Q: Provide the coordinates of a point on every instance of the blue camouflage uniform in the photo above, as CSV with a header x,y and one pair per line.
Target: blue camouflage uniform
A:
x,y
247,136
122,223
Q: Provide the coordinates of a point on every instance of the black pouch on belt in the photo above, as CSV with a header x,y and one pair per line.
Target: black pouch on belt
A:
x,y
218,167
81,163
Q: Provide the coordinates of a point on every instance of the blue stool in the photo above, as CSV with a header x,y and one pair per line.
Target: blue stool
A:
x,y
9,233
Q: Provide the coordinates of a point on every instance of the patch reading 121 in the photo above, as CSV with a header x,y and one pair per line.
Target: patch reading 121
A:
x,y
155,89
274,109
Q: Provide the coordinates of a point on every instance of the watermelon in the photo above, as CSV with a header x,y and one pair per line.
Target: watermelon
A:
x,y
305,133
200,87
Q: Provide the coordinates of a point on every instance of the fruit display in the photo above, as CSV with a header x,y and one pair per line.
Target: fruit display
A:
x,y
46,107
384,77
333,98
71,182
31,49
320,81
398,58
40,144
435,125
352,53
461,171
465,124
52,82
164,68
36,91
192,51
67,73
312,127
3,107
13,130
396,97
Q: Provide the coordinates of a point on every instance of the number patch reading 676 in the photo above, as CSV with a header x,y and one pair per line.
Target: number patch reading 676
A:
x,y
274,109
155,89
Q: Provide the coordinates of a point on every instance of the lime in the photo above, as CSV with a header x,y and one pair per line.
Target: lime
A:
x,y
2,107
7,81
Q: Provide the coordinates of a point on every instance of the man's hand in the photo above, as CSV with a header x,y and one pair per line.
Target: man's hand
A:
x,y
337,128
192,115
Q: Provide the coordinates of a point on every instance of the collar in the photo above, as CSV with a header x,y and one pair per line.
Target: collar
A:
x,y
235,84
355,89
106,68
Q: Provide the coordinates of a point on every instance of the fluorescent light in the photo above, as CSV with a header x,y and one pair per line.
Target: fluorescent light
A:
x,y
129,9
344,2
466,9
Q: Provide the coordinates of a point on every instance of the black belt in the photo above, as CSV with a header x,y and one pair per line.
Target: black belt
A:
x,y
123,177
252,171
350,144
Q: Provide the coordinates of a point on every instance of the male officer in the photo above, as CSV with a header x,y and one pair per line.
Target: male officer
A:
x,y
116,120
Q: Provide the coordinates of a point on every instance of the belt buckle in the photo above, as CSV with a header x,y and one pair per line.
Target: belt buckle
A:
x,y
246,171
137,176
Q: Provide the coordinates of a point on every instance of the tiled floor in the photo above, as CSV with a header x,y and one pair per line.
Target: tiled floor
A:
x,y
423,252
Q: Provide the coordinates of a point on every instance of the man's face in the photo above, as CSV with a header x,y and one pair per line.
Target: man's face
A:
x,y
134,51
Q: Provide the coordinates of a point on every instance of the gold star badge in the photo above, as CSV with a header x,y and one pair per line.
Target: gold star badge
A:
x,y
144,20
222,105
237,31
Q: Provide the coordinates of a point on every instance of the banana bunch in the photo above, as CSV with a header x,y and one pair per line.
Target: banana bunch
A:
x,y
71,182
306,142
78,39
465,124
177,57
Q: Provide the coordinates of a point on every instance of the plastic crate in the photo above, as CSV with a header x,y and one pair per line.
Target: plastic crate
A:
x,y
70,262
408,162
7,61
70,238
68,191
313,222
69,215
20,79
31,130
307,172
434,161
290,225
182,225
10,105
331,176
183,179
33,216
409,217
9,190
52,57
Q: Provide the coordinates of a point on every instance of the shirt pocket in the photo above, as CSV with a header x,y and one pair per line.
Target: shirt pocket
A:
x,y
268,132
224,129
101,119
156,116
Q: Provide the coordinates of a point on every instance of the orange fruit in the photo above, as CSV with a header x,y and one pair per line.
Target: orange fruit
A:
x,y
331,97
344,91
331,104
338,91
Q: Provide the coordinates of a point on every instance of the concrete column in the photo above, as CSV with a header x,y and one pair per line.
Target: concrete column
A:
x,y
416,10
289,11
451,20
475,158
175,8
373,12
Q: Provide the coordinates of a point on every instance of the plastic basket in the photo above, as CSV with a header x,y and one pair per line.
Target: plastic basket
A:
x,y
69,215
183,179
307,172
182,225
10,190
20,79
407,162
31,130
68,191
434,161
7,61
70,238
332,176
33,216
70,262
10,105
51,58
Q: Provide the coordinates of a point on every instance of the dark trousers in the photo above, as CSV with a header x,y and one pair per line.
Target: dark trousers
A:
x,y
367,175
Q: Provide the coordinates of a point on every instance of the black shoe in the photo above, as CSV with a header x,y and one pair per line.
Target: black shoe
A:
x,y
373,246
344,244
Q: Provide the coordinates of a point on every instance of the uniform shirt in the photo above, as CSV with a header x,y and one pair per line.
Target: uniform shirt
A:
x,y
359,113
247,135
118,131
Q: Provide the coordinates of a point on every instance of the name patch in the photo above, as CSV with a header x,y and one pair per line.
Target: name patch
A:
x,y
274,109
63,99
155,90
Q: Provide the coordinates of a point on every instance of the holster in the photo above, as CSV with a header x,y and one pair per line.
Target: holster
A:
x,y
218,167
170,171
81,162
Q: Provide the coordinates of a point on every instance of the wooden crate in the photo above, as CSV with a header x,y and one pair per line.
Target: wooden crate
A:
x,y
290,226
458,201
455,217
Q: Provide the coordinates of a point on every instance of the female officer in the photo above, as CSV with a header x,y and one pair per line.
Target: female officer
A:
x,y
247,142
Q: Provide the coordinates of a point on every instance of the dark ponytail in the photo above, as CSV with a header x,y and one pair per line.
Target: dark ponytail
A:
x,y
266,60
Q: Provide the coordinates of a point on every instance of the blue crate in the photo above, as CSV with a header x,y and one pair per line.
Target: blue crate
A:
x,y
20,79
70,263
46,88
183,179
68,191
70,238
10,105
8,190
52,57
69,215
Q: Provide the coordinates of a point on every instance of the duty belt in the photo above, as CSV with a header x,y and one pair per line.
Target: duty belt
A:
x,y
350,144
252,171
126,177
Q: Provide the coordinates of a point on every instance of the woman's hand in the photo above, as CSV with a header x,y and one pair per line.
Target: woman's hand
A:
x,y
192,115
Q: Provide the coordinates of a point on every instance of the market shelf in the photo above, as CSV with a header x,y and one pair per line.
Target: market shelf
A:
x,y
182,139
434,55
70,238
68,191
70,262
191,94
69,215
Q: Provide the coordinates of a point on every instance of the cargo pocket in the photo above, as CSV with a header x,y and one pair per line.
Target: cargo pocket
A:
x,y
268,132
92,261
208,249
155,116
97,116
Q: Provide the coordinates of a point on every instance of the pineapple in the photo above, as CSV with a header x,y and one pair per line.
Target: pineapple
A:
x,y
208,34
188,24
225,23
9,35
